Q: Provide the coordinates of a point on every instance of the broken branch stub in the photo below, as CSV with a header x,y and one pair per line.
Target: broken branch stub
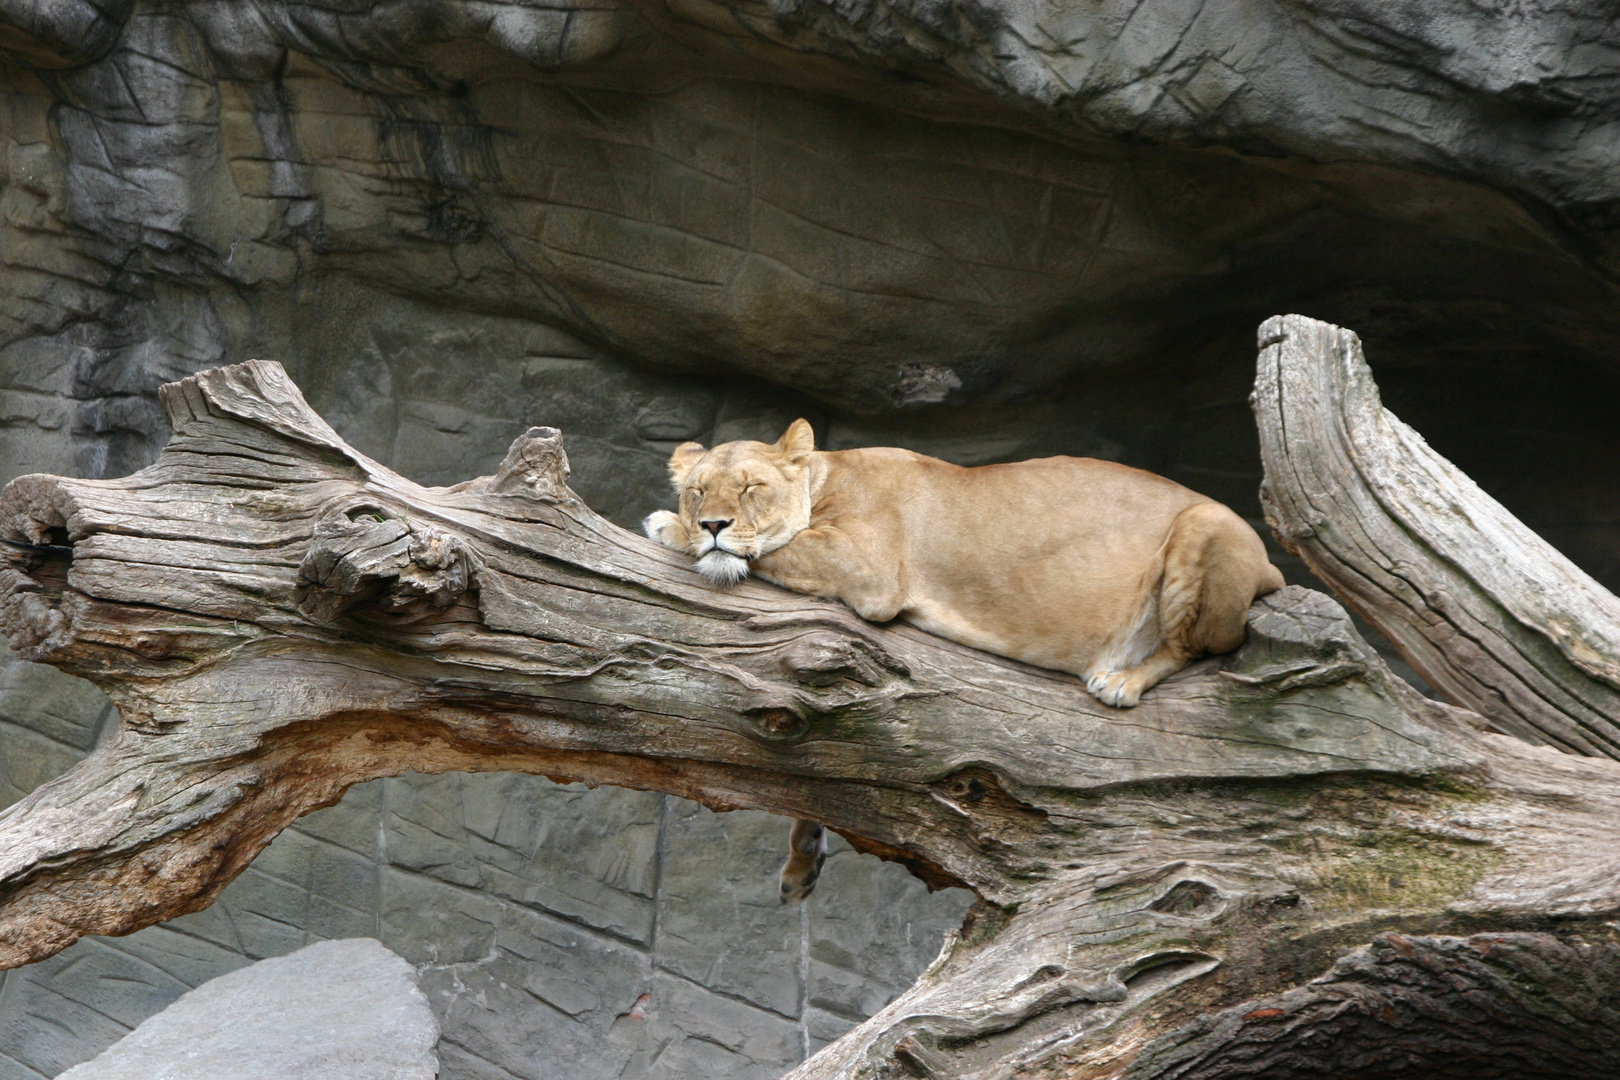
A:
x,y
279,617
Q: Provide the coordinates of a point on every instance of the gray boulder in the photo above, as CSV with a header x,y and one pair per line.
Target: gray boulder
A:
x,y
335,1010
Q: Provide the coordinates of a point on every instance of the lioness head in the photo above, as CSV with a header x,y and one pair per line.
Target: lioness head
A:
x,y
742,499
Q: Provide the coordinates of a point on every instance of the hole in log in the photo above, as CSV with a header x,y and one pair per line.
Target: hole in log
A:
x,y
978,790
777,721
367,513
1189,897
46,564
1155,971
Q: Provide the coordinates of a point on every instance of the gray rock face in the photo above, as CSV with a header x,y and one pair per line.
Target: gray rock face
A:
x,y
984,229
346,1009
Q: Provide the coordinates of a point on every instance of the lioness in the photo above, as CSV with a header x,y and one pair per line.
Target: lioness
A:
x,y
1112,573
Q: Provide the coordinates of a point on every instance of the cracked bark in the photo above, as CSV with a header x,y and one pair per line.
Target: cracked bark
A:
x,y
1489,613
1285,862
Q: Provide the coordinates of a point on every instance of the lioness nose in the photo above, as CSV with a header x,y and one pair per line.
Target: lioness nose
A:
x,y
714,526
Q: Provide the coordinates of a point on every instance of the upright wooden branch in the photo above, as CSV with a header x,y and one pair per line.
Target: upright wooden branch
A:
x,y
1488,612
279,617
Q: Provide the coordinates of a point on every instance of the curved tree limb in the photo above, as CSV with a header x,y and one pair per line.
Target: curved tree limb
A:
x,y
1493,616
279,617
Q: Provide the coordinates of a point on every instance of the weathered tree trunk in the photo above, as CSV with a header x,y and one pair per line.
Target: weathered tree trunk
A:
x,y
1492,615
1284,863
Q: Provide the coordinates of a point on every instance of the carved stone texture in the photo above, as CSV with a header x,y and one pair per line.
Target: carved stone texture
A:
x,y
1490,614
886,207
1284,828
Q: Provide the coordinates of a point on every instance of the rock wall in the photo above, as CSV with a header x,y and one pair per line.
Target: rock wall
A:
x,y
985,230
981,229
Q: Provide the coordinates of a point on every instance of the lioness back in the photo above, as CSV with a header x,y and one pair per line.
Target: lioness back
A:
x,y
1041,560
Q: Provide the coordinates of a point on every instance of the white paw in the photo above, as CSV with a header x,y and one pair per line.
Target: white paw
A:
x,y
664,527
1114,688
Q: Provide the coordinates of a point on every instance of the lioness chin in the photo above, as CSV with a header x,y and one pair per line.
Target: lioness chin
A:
x,y
1113,573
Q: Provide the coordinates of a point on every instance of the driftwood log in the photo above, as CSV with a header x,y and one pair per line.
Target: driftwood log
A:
x,y
1284,863
1492,615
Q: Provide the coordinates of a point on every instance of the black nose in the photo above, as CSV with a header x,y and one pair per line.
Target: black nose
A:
x,y
714,527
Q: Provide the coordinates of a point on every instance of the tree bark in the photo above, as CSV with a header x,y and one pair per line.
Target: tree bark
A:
x,y
1284,862
1493,616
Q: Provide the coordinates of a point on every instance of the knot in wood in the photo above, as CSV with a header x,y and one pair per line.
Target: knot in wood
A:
x,y
824,658
977,792
535,466
364,556
967,788
777,721
1188,897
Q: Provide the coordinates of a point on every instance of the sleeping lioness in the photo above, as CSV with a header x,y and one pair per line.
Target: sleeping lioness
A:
x,y
1112,573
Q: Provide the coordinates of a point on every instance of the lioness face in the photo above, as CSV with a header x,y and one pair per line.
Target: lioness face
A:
x,y
742,500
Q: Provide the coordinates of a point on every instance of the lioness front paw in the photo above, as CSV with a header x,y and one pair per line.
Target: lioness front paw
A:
x,y
666,528
1115,688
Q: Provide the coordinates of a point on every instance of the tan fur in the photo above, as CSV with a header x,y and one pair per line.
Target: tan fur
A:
x,y
807,851
1112,573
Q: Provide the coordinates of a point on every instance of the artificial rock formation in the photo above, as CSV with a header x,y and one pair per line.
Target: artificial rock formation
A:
x,y
337,1008
986,229
1285,862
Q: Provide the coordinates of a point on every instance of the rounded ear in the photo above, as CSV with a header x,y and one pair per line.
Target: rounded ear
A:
x,y
681,461
796,442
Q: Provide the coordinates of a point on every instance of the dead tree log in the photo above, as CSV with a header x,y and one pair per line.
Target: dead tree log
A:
x,y
1284,863
1492,615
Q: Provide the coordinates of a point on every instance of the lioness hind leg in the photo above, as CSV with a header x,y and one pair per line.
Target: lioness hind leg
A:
x,y
807,851
1214,567
1229,561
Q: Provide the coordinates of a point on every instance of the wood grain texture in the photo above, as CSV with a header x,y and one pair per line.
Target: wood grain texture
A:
x,y
1492,615
278,617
